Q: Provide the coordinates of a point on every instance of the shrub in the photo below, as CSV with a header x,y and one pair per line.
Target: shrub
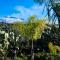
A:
x,y
52,48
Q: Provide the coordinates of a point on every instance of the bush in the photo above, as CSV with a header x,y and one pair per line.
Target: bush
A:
x,y
21,58
47,56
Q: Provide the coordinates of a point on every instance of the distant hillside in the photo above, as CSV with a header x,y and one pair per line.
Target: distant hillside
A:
x,y
10,20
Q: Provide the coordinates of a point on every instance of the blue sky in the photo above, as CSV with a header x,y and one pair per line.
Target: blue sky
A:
x,y
21,9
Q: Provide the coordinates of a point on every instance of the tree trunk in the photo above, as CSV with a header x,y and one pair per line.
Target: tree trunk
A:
x,y
32,52
14,55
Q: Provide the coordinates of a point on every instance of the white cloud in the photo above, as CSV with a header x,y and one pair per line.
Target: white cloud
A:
x,y
10,19
26,12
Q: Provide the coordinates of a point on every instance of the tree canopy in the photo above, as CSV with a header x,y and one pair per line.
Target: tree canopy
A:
x,y
53,10
32,29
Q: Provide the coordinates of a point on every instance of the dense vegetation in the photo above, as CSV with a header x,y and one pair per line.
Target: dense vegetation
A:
x,y
31,40
34,39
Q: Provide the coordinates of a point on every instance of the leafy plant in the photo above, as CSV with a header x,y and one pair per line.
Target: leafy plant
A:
x,y
32,30
53,48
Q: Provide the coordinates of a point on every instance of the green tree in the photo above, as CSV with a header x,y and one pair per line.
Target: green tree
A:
x,y
31,30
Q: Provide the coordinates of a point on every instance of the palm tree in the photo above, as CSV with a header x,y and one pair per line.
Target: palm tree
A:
x,y
51,5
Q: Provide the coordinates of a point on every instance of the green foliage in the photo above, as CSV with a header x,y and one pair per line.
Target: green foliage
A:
x,y
18,58
32,29
53,48
21,58
47,56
